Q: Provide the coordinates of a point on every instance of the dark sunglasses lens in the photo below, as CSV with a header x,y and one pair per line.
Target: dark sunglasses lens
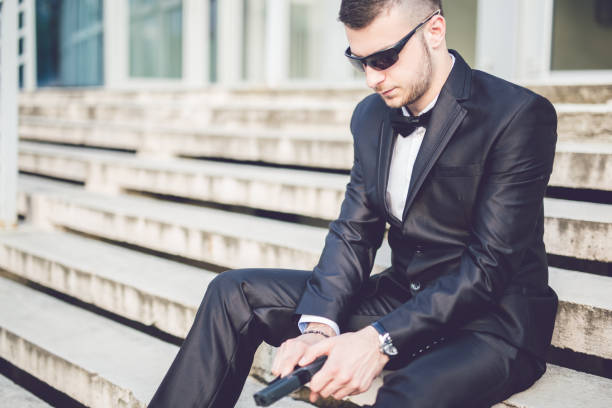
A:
x,y
383,60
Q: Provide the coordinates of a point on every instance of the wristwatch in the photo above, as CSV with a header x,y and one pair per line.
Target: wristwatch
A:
x,y
386,345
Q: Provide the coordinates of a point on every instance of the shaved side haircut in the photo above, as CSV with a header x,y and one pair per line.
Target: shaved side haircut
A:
x,y
358,14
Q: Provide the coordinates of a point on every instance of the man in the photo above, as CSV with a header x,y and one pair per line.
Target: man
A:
x,y
457,162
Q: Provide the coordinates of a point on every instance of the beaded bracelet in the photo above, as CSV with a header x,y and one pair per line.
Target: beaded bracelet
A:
x,y
316,332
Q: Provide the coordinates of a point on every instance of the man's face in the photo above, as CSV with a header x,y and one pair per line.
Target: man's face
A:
x,y
409,78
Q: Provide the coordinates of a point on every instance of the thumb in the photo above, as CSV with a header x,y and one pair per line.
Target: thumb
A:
x,y
318,349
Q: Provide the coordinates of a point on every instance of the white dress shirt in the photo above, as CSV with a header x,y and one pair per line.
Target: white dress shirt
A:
x,y
400,172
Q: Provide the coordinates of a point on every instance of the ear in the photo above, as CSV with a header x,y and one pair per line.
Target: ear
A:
x,y
435,32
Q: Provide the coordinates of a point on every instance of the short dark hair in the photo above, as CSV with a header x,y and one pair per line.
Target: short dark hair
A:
x,y
358,14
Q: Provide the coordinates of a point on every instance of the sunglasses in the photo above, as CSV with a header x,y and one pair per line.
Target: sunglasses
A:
x,y
384,59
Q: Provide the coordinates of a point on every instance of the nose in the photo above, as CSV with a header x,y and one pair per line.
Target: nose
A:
x,y
374,77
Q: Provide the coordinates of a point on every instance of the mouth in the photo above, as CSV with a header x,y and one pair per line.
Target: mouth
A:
x,y
387,92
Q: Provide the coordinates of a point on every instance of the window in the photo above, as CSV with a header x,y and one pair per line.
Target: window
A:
x,y
156,38
21,76
69,38
254,40
300,40
582,34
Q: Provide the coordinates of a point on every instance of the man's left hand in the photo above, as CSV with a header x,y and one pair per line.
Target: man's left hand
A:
x,y
354,360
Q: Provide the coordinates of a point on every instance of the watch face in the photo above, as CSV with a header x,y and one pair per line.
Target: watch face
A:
x,y
390,350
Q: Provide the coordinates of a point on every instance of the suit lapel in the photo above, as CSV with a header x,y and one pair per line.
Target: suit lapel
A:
x,y
446,118
386,137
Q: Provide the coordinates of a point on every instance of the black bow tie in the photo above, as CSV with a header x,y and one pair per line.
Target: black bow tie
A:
x,y
405,125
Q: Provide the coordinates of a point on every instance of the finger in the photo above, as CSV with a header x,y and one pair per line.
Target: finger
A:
x,y
365,385
287,356
357,385
277,360
343,392
323,377
290,359
324,383
314,351
288,365
314,396
335,386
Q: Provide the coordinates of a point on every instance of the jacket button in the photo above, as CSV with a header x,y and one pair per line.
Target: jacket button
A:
x,y
419,249
416,286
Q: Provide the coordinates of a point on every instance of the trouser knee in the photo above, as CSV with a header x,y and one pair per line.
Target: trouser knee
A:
x,y
224,294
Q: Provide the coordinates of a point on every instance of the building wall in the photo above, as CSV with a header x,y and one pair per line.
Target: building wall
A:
x,y
192,43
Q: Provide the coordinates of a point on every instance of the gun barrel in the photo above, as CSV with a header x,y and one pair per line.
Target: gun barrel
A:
x,y
281,387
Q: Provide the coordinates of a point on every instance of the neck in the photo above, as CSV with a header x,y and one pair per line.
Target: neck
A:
x,y
442,66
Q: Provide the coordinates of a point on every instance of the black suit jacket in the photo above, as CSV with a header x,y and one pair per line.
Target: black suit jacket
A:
x,y
472,228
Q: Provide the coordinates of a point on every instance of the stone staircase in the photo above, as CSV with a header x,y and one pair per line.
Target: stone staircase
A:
x,y
156,192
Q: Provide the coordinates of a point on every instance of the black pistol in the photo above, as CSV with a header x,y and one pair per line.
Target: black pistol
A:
x,y
281,387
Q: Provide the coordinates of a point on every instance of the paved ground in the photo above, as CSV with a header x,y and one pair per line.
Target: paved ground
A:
x,y
13,396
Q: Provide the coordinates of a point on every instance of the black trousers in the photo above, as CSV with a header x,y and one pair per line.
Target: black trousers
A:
x,y
242,308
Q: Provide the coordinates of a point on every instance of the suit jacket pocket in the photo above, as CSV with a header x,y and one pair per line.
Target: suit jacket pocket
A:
x,y
468,170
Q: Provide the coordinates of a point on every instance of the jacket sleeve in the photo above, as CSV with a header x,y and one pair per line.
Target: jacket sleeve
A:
x,y
350,248
507,211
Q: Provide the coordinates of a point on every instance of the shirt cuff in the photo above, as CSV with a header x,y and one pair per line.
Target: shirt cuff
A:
x,y
305,319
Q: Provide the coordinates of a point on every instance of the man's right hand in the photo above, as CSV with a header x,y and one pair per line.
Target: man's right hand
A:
x,y
292,350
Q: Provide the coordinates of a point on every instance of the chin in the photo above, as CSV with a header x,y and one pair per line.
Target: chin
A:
x,y
393,102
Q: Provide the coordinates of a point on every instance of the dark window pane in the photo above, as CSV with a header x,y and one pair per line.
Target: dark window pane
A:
x,y
70,42
21,19
21,70
20,46
582,34
47,42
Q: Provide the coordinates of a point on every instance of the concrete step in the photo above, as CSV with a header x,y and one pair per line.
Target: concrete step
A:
x,y
594,93
580,93
70,348
315,194
12,395
327,148
295,92
575,229
576,121
268,113
51,96
96,361
583,165
581,122
55,259
564,388
308,193
558,388
584,317
165,294
148,289
208,96
578,229
214,236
